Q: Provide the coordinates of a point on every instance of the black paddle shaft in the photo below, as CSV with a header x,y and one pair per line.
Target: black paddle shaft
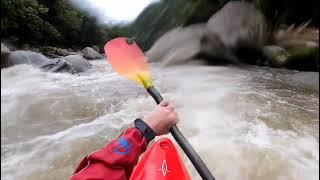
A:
x,y
184,144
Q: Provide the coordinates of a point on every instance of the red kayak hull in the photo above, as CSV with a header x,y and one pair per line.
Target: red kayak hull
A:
x,y
161,162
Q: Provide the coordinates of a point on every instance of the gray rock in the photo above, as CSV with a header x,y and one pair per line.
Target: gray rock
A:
x,y
28,57
214,51
177,45
40,61
183,44
62,52
58,65
90,53
276,55
79,63
238,24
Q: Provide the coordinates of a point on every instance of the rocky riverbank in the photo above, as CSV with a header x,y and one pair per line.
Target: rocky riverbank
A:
x,y
50,58
238,34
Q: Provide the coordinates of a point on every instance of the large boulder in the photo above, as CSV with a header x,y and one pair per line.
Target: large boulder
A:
x,y
40,61
241,28
27,57
237,31
238,24
177,45
90,53
213,50
78,62
183,44
58,65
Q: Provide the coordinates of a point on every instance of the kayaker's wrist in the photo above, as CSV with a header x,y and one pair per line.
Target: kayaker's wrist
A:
x,y
145,129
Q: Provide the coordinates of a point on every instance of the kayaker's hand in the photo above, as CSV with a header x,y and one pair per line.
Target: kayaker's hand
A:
x,y
162,118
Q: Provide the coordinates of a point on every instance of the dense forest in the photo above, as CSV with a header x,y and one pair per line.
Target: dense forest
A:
x,y
53,22
58,23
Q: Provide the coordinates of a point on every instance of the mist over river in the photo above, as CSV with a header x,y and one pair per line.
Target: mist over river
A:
x,y
248,123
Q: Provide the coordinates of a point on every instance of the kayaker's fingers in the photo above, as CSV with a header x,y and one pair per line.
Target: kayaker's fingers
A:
x,y
164,103
171,107
175,117
162,118
176,114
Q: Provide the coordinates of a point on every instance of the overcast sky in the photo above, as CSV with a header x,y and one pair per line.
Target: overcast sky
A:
x,y
113,10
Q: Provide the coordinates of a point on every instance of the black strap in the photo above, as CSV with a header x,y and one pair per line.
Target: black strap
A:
x,y
145,129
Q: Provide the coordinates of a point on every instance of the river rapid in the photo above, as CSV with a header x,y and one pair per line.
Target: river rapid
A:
x,y
247,123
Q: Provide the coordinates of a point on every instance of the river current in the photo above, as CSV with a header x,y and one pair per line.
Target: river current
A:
x,y
247,123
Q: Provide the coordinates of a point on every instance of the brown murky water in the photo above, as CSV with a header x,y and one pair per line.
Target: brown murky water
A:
x,y
247,124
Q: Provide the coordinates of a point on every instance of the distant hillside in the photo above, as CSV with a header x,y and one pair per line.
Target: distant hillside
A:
x,y
56,22
160,17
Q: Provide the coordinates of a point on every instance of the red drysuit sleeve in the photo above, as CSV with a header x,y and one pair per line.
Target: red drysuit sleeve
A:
x,y
115,161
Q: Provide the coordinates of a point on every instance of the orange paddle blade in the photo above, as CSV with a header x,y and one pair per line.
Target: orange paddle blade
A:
x,y
128,60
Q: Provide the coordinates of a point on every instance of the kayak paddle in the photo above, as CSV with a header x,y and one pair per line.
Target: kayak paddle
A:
x,y
128,60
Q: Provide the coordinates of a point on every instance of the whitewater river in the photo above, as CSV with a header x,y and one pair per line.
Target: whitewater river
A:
x,y
251,123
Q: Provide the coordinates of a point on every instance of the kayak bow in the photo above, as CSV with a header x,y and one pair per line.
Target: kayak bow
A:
x,y
161,162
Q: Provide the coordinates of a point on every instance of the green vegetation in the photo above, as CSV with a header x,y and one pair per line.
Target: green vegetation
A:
x,y
160,17
56,22
289,11
303,59
53,22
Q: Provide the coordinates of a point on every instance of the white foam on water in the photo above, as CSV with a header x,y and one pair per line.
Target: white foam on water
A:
x,y
246,124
